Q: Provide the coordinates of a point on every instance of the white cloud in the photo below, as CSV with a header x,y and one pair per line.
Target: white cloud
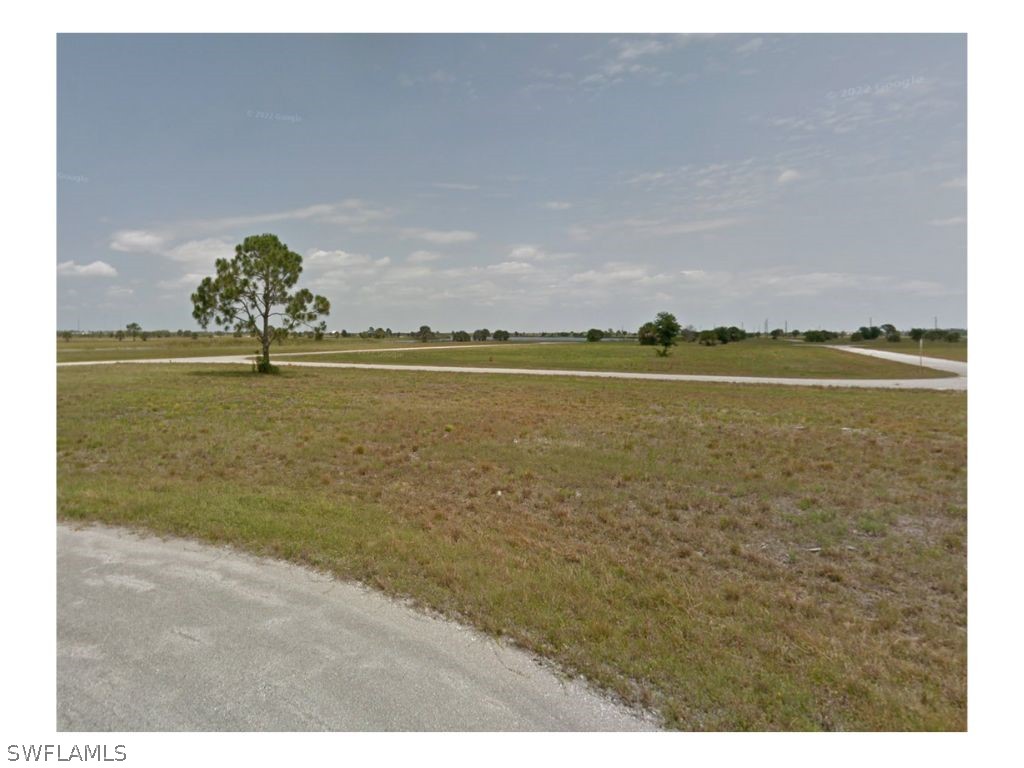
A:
x,y
441,237
527,252
958,182
457,186
352,213
334,259
618,273
201,253
788,176
356,214
868,106
952,221
93,269
119,292
621,59
422,257
345,262
785,282
751,46
511,268
340,270
434,77
649,177
636,47
557,205
190,280
668,227
805,284
136,241
533,253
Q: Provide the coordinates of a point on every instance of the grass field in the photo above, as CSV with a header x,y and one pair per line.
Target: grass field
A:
x,y
748,358
85,349
733,557
955,350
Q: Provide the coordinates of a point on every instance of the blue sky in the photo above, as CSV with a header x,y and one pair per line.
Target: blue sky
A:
x,y
520,181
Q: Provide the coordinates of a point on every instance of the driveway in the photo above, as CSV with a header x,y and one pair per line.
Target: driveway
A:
x,y
170,635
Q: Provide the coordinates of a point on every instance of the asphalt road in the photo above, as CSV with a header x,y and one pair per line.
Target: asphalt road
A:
x,y
169,635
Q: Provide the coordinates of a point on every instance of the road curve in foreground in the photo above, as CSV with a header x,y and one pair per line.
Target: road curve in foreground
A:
x,y
172,635
956,382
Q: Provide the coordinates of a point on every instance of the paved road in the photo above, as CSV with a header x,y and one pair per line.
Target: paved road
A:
x,y
169,635
956,382
938,363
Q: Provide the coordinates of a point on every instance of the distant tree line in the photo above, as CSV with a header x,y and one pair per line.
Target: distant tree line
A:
x,y
652,333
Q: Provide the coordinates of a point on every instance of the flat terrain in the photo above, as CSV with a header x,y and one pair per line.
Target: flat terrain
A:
x,y
81,349
748,358
171,635
734,557
947,350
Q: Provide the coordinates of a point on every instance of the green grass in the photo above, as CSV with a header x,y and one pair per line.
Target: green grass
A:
x,y
748,358
89,349
734,557
955,350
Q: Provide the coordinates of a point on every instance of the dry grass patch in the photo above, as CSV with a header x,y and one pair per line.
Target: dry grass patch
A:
x,y
736,557
754,357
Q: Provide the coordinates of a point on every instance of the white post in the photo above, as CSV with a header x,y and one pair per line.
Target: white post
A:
x,y
920,351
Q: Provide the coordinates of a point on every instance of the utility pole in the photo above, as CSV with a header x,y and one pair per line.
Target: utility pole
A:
x,y
787,327
936,322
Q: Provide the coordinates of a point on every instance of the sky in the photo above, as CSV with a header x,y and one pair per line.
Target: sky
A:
x,y
527,182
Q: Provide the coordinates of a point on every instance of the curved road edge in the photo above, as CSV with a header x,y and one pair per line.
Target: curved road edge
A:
x,y
172,635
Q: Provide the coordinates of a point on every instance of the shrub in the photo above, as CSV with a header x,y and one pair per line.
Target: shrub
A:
x,y
648,335
595,334
893,336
